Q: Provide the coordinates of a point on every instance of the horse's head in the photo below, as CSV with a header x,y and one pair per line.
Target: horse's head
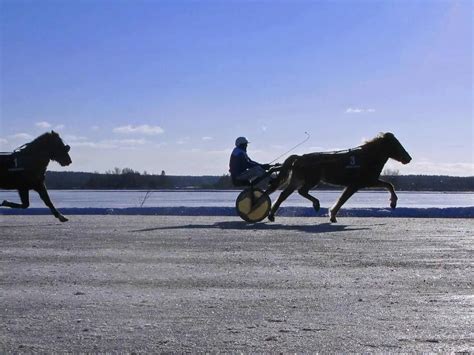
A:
x,y
395,149
58,150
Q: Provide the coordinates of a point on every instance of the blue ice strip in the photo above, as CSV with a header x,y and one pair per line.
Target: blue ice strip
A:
x,y
450,212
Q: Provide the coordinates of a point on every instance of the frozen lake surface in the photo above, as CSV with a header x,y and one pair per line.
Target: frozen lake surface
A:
x,y
217,198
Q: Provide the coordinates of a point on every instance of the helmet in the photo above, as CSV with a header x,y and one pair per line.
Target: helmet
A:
x,y
241,141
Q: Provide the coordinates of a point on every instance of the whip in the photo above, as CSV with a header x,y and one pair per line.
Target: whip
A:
x,y
293,148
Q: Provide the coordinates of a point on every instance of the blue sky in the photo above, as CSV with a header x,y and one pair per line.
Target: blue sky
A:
x,y
169,85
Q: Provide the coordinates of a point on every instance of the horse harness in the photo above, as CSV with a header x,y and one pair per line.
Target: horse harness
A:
x,y
12,163
351,155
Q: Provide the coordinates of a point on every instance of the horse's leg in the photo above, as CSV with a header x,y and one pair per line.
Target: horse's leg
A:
x,y
304,191
271,189
346,194
389,187
25,200
47,201
258,202
283,196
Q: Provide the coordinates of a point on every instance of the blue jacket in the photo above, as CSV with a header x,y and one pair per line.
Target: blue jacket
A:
x,y
239,162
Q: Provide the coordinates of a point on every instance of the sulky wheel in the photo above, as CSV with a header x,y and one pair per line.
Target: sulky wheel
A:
x,y
253,209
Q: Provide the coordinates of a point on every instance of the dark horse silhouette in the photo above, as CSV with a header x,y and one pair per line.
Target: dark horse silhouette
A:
x,y
354,168
25,169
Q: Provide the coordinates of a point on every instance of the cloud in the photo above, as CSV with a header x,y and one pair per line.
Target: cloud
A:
x,y
318,148
182,140
95,128
87,144
73,138
43,124
47,125
21,136
108,143
359,110
142,129
207,138
3,141
127,142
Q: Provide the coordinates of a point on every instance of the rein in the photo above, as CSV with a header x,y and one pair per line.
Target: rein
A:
x,y
21,148
343,151
365,146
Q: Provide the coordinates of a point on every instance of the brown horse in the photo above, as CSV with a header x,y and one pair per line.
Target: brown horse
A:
x,y
25,169
354,168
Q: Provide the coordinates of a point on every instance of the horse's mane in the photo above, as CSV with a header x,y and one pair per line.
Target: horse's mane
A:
x,y
377,139
38,141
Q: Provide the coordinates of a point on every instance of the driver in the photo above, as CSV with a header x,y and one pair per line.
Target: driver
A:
x,y
242,169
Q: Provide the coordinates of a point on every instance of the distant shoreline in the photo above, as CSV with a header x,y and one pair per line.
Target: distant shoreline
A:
x,y
132,180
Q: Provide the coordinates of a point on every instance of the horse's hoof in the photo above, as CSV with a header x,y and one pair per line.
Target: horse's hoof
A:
x,y
62,218
333,219
271,218
316,206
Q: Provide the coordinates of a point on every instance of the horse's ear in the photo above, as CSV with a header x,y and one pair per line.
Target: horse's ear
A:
x,y
54,133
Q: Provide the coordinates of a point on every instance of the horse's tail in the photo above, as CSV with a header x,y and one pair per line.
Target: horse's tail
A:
x,y
285,172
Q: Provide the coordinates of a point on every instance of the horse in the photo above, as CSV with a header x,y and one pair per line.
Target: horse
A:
x,y
354,168
25,169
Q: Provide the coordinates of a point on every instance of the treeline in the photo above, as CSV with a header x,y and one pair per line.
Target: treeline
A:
x,y
130,179
431,182
126,179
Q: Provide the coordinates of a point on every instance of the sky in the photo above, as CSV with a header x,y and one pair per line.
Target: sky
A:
x,y
169,85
